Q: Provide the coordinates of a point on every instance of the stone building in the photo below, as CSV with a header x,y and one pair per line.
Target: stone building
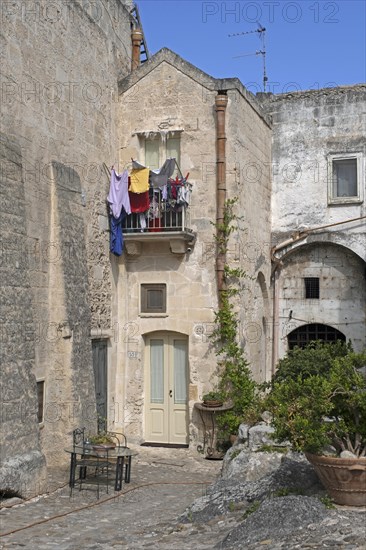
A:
x,y
84,330
59,119
163,100
318,216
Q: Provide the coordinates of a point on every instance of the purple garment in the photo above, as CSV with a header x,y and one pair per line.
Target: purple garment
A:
x,y
118,194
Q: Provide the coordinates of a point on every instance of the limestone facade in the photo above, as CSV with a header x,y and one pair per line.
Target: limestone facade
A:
x,y
68,113
60,65
168,96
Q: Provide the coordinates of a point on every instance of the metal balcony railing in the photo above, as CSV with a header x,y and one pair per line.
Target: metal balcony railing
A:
x,y
162,216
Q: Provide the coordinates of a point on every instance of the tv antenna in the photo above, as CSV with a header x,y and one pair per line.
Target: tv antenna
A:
x,y
261,33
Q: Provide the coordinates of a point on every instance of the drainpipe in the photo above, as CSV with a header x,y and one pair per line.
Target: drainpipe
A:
x,y
220,107
136,37
276,319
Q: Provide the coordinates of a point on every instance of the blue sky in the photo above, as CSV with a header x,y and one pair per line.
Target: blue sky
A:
x,y
309,44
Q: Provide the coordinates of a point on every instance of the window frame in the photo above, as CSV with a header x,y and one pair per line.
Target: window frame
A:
x,y
356,199
309,288
41,406
163,148
144,289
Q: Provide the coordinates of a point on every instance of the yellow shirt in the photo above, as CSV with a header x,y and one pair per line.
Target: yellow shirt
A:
x,y
139,180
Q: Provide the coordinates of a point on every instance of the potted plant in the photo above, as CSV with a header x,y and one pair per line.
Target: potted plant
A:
x,y
103,440
318,403
213,398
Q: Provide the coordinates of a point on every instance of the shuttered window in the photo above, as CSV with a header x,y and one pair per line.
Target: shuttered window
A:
x,y
153,298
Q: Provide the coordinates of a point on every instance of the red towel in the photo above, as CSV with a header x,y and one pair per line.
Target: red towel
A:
x,y
140,202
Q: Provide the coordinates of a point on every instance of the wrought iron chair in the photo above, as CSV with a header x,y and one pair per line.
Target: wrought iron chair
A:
x,y
98,463
121,441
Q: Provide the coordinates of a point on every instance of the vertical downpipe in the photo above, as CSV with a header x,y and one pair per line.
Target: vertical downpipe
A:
x,y
136,37
275,317
221,101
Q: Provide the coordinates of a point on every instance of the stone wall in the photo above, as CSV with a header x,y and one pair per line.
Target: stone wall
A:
x,y
249,179
307,127
59,104
342,292
22,467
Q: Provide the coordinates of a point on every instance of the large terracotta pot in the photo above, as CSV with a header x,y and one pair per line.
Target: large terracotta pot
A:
x,y
343,478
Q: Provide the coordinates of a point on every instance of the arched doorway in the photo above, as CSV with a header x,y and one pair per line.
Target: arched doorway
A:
x,y
166,388
301,336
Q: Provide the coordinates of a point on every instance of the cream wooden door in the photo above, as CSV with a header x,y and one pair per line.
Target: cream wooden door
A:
x,y
166,377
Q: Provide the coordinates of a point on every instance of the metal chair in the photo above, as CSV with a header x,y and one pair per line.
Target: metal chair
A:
x,y
98,463
121,441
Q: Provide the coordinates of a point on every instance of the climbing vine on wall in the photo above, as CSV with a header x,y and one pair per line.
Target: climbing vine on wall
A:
x,y
235,384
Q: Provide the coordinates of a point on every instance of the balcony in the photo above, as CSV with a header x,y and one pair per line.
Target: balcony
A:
x,y
166,220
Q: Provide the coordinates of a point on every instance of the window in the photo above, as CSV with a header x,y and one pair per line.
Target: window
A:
x,y
157,151
302,336
344,178
40,396
311,287
153,298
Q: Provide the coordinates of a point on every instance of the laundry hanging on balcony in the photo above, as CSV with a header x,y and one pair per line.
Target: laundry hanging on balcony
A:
x,y
147,200
159,178
139,180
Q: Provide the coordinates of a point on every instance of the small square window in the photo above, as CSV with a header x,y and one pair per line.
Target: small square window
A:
x,y
40,396
153,298
311,287
344,178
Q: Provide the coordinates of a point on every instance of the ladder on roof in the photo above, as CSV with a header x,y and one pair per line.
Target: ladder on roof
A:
x,y
136,23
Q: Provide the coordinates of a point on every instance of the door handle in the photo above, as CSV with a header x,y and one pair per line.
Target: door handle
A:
x,y
170,393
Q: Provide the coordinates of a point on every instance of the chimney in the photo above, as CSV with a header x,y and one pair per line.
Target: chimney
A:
x,y
136,36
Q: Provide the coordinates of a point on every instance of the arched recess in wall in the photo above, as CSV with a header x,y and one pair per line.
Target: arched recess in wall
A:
x,y
305,334
321,283
356,246
166,388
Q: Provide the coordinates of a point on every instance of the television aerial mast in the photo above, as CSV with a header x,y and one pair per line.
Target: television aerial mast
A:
x,y
261,33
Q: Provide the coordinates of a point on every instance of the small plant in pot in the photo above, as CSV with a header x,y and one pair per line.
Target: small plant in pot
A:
x,y
318,402
213,398
102,440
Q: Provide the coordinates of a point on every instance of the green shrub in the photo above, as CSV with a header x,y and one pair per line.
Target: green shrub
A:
x,y
318,398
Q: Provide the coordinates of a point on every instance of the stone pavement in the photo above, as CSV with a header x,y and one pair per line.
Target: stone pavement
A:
x,y
163,483
145,513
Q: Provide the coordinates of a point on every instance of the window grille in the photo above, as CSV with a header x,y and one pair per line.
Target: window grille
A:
x,y
311,287
304,335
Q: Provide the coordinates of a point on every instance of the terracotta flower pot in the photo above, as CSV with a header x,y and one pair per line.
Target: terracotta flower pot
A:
x,y
343,478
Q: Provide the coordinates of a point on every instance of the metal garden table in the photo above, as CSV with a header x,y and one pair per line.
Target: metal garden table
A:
x,y
99,456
